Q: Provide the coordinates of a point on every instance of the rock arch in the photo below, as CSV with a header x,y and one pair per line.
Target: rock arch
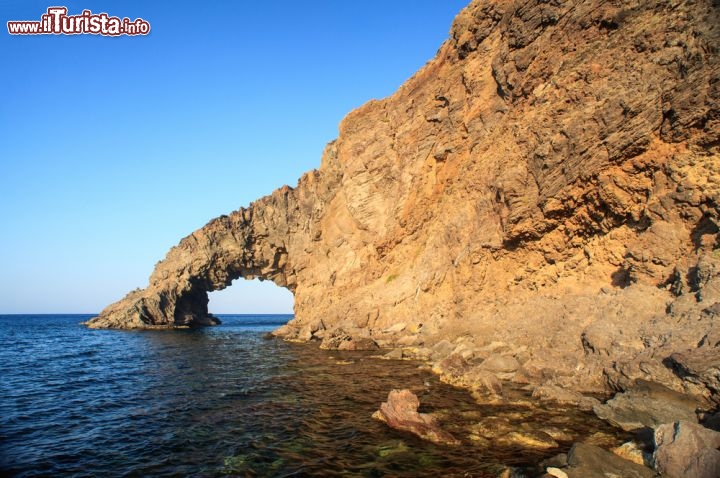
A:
x,y
248,243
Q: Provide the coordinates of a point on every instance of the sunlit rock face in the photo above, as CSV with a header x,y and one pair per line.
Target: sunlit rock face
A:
x,y
549,182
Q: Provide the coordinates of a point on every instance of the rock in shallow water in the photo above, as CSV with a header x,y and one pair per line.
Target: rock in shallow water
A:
x,y
400,412
529,439
455,370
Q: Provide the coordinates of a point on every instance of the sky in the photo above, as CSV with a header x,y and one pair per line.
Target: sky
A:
x,y
114,148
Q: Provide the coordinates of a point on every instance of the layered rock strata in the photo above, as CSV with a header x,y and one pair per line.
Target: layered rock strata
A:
x,y
544,193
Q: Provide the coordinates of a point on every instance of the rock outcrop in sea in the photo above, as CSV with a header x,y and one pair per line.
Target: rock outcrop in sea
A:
x,y
541,202
400,412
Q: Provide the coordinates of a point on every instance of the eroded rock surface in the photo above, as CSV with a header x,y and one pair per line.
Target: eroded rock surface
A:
x,y
549,182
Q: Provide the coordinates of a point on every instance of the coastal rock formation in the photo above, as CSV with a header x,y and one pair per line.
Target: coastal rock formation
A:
x,y
542,196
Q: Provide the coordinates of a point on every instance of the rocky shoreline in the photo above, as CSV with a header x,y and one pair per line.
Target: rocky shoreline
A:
x,y
672,433
539,204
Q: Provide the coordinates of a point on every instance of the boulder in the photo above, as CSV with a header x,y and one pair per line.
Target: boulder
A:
x,y
700,366
339,339
631,451
556,472
395,328
400,412
451,367
557,461
684,449
500,364
589,461
647,406
359,343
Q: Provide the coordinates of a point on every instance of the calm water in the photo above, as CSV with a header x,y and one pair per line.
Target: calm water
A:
x,y
212,402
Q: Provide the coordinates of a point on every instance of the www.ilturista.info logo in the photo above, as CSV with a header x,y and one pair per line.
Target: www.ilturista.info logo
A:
x,y
57,22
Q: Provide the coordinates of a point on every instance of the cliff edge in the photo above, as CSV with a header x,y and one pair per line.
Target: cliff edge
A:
x,y
545,191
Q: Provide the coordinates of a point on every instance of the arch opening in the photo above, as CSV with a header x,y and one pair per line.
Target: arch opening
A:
x,y
254,296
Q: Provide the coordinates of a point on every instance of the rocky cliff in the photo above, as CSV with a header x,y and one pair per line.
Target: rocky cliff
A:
x,y
543,195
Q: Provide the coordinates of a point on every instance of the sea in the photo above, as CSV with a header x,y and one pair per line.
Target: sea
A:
x,y
217,401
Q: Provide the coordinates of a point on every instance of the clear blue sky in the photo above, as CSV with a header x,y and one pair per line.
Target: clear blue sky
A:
x,y
113,149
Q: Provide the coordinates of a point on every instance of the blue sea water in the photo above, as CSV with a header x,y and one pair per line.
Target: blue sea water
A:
x,y
218,401
207,402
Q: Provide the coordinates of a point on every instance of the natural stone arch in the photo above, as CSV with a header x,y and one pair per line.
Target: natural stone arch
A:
x,y
244,244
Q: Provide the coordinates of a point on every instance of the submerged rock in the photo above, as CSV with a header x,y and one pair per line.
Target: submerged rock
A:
x,y
455,370
492,427
400,412
529,439
391,448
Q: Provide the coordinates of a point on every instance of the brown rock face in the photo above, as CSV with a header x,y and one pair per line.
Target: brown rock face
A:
x,y
550,180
